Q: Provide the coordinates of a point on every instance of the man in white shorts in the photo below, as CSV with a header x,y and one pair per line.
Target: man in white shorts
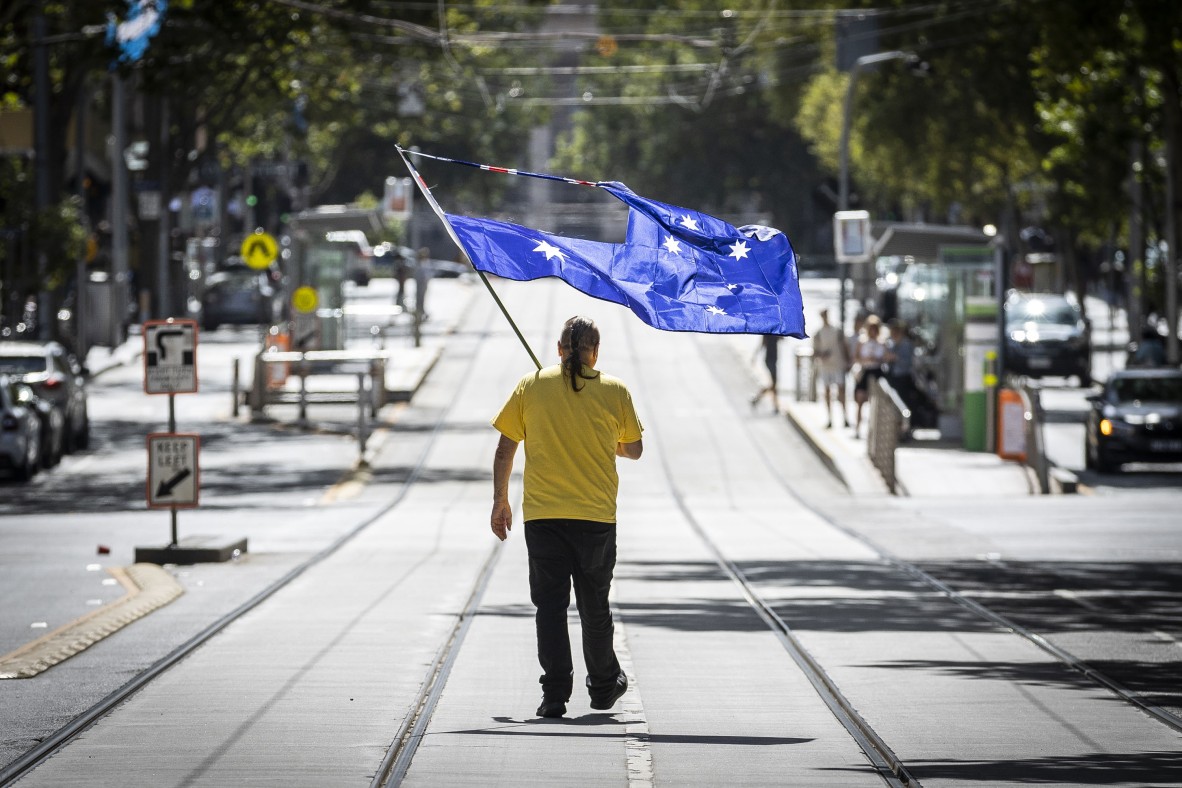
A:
x,y
832,356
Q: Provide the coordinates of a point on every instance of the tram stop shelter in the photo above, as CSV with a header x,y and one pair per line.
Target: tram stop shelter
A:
x,y
942,280
324,264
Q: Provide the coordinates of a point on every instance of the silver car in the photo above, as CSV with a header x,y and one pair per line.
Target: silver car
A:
x,y
55,376
20,432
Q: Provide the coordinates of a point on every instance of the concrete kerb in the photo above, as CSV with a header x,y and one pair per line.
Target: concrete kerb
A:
x,y
850,467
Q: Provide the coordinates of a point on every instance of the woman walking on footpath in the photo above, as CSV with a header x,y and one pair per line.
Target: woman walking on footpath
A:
x,y
869,360
574,421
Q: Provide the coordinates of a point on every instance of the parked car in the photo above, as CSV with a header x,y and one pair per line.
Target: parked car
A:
x,y
1047,334
53,424
359,267
1136,418
56,376
20,432
238,296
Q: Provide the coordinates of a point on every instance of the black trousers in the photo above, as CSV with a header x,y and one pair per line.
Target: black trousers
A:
x,y
562,551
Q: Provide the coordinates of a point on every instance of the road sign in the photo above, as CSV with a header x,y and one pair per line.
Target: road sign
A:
x,y
305,299
170,356
173,475
852,242
259,250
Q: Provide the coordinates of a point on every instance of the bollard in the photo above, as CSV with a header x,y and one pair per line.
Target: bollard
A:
x,y
806,375
234,388
361,408
303,420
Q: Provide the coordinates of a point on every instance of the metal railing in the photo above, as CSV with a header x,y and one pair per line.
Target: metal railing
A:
x,y
1036,454
890,421
346,364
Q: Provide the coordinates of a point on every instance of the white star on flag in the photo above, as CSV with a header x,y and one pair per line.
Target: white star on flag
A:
x,y
550,250
715,310
672,245
739,250
688,222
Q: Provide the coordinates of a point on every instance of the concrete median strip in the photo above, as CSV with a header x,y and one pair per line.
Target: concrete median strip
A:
x,y
148,587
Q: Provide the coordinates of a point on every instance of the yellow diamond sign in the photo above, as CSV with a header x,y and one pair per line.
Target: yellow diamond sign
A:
x,y
259,250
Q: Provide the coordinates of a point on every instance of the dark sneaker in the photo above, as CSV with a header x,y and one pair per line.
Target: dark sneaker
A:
x,y
617,692
551,708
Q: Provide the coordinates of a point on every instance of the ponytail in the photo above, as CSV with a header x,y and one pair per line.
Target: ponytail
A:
x,y
579,340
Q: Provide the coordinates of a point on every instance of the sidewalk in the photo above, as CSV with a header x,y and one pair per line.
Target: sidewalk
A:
x,y
924,468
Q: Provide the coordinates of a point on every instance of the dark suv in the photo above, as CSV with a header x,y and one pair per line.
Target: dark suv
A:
x,y
1047,334
56,377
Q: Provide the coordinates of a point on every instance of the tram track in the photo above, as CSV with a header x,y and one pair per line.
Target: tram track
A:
x,y
397,761
878,752
45,749
946,590
1006,623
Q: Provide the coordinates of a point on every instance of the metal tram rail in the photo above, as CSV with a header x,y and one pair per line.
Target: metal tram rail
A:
x,y
998,619
1004,622
397,762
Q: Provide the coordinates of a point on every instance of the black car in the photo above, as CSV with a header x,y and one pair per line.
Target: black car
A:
x,y
1047,334
57,377
1137,418
238,296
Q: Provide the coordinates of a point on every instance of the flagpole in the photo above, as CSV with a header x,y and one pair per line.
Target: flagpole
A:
x,y
418,179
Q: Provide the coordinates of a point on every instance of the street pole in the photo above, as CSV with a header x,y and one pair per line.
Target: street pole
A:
x,y
119,196
41,162
163,247
843,185
81,340
1173,126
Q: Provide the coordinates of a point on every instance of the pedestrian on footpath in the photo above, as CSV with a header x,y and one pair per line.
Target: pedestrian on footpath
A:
x,y
831,351
869,363
770,343
575,421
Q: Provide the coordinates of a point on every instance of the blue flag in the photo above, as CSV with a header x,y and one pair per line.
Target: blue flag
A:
x,y
677,270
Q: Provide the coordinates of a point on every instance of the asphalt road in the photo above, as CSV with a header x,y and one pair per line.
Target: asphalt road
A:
x,y
1099,574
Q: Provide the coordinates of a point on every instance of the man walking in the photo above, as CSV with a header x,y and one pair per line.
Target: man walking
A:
x,y
832,355
574,421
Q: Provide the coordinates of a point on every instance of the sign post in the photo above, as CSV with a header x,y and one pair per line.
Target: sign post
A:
x,y
852,243
173,482
170,367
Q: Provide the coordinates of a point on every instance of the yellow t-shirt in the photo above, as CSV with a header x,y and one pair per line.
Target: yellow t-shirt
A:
x,y
570,442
